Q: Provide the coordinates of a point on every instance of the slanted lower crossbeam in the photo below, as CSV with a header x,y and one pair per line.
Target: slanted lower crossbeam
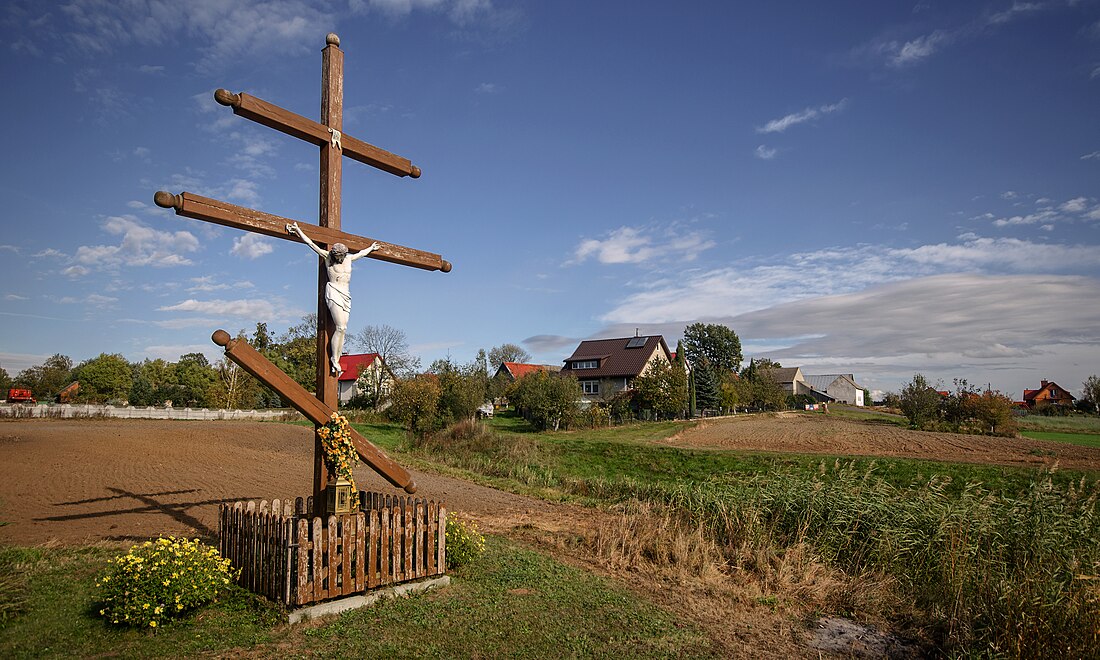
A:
x,y
249,359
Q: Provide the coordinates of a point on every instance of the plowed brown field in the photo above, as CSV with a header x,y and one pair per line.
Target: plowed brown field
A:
x,y
822,434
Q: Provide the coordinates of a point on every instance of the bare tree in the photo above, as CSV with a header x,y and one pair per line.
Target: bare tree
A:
x,y
507,353
392,347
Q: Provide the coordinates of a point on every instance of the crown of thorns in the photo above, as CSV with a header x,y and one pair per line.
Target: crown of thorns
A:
x,y
340,248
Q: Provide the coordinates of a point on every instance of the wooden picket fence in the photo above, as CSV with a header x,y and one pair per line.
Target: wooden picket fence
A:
x,y
287,555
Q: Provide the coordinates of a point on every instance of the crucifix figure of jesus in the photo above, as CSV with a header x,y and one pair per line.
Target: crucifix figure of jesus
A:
x,y
338,248
337,290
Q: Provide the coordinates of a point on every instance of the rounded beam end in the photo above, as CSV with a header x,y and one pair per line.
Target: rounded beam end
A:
x,y
411,488
446,267
226,97
220,337
414,172
332,40
166,200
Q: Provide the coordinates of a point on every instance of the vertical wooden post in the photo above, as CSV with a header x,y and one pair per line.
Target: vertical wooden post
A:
x,y
332,115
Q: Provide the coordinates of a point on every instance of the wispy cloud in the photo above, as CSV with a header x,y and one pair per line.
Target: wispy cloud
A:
x,y
1095,155
250,308
636,245
488,88
796,118
921,48
251,246
766,153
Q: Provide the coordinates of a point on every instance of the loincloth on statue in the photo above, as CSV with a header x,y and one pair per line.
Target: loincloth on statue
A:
x,y
334,296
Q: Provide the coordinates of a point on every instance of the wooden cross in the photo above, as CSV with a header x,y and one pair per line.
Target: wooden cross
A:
x,y
328,135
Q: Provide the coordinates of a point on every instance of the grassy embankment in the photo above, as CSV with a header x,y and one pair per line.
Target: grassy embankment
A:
x,y
1076,429
510,602
995,559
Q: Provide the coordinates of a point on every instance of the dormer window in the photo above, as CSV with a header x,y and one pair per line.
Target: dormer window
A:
x,y
586,364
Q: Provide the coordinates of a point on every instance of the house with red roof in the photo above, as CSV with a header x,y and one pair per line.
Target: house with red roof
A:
x,y
606,366
1048,394
355,365
513,371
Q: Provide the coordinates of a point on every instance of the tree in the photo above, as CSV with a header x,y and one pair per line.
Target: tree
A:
x,y
1090,391
507,353
662,389
416,403
547,401
47,379
234,387
461,390
994,411
920,402
713,345
193,378
104,378
393,348
5,382
767,393
706,388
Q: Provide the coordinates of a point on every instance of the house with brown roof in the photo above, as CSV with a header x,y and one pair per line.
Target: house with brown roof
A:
x,y
607,366
1048,394
355,365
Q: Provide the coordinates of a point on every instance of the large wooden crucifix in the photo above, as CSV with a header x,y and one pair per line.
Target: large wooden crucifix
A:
x,y
328,135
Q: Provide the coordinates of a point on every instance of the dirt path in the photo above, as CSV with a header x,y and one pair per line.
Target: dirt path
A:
x,y
821,434
80,481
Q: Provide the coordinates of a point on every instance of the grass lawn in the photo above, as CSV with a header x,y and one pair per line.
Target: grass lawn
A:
x,y
1068,424
1084,439
510,602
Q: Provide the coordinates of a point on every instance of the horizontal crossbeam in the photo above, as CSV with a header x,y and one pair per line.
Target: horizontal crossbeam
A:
x,y
191,205
314,409
295,125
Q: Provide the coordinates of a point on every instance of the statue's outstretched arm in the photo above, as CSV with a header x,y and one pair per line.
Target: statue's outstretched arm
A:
x,y
362,253
293,228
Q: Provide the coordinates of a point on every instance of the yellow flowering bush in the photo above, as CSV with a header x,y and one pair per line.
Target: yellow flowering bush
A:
x,y
464,542
340,454
160,579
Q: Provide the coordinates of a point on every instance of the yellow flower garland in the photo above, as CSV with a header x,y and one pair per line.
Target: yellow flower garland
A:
x,y
340,454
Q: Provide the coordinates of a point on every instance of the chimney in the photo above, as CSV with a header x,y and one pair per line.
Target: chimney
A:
x,y
1044,383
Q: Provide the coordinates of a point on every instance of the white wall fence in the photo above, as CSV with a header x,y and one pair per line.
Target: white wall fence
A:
x,y
67,410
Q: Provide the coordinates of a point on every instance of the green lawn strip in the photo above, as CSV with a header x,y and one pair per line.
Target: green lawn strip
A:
x,y
56,614
1067,424
510,602
1083,439
516,603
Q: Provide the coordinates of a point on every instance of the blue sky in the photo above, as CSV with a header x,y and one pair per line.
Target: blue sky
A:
x,y
877,188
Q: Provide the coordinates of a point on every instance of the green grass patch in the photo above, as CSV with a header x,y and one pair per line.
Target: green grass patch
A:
x,y
513,603
510,602
1068,424
56,614
1083,439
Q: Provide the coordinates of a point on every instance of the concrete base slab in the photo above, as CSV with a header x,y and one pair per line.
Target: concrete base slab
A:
x,y
355,602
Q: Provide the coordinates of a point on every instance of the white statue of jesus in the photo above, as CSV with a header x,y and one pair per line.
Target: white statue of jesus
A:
x,y
337,290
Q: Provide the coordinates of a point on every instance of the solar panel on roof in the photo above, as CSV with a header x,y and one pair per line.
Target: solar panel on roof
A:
x,y
636,342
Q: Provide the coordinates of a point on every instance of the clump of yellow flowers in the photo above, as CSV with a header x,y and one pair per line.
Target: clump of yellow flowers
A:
x,y
464,542
160,579
340,454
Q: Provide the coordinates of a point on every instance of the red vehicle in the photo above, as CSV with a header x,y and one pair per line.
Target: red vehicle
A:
x,y
17,395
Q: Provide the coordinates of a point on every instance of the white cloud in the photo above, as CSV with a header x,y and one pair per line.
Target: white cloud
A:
x,y
1017,9
1076,205
207,283
251,246
250,308
487,88
15,297
634,245
766,153
920,48
1091,156
793,119
140,245
730,291
153,69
